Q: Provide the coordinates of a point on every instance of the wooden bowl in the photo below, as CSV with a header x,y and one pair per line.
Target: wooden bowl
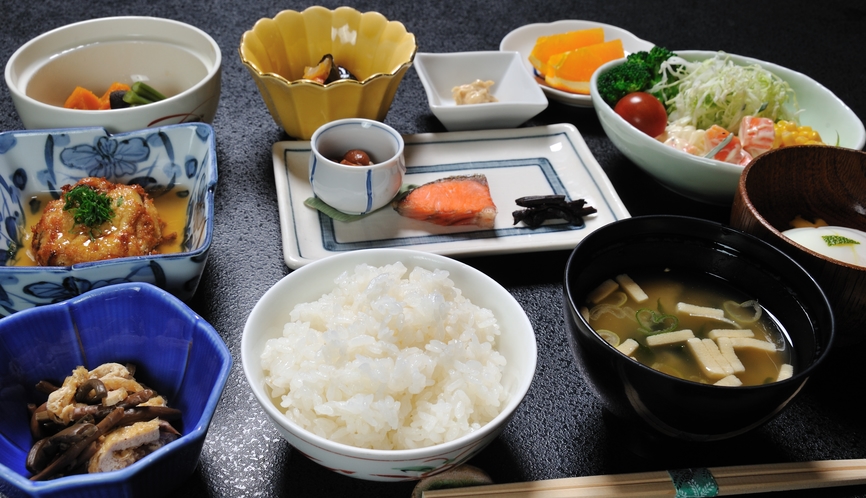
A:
x,y
813,182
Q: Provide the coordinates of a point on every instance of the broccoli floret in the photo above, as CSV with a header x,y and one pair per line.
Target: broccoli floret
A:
x,y
660,54
640,71
652,59
642,58
623,80
657,55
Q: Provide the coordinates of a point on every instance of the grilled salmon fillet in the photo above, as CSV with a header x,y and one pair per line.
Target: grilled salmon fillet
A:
x,y
456,200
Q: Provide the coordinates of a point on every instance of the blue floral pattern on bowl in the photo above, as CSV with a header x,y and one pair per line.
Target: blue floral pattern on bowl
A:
x,y
171,160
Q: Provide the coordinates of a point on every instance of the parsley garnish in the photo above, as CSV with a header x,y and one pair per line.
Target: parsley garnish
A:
x,y
91,208
837,240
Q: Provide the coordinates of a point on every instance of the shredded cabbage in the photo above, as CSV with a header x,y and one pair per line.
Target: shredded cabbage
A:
x,y
718,91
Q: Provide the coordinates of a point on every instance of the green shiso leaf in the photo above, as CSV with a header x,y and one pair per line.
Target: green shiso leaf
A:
x,y
330,212
337,215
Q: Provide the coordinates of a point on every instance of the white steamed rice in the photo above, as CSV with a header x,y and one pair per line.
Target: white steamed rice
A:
x,y
387,362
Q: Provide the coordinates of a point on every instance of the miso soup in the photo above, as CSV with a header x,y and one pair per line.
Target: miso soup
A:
x,y
693,326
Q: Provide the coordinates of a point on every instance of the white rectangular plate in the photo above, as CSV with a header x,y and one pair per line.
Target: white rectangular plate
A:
x,y
518,162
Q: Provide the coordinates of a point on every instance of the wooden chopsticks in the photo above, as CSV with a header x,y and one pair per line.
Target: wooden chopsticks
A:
x,y
734,480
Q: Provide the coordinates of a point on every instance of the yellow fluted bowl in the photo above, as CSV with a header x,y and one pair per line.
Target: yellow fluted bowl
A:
x,y
276,51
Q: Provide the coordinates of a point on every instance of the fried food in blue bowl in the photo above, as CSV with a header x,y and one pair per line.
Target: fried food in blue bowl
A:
x,y
175,166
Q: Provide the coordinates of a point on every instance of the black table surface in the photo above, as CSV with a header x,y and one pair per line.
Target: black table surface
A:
x,y
561,429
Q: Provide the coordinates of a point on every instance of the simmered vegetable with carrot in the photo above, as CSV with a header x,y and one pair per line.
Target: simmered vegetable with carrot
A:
x,y
82,99
114,89
117,96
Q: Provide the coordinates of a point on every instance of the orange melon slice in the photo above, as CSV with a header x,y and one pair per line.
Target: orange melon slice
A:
x,y
570,71
547,46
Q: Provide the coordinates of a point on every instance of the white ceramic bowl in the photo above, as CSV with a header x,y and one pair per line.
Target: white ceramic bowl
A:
x,y
181,61
523,40
356,189
516,343
519,97
712,181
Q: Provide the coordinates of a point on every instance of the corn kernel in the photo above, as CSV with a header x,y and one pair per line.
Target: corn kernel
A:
x,y
789,133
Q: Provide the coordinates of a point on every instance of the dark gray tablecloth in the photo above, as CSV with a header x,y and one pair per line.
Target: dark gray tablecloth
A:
x,y
560,430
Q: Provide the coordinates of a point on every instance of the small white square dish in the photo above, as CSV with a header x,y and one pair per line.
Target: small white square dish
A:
x,y
518,96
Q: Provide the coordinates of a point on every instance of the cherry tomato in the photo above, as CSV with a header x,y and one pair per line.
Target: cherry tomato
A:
x,y
644,112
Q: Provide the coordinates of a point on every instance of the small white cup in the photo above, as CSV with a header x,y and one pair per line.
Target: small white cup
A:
x,y
356,189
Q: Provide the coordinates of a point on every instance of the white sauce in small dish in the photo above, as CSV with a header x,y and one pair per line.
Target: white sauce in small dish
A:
x,y
477,92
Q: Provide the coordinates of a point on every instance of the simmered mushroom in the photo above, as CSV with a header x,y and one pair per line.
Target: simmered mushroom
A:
x,y
327,71
98,420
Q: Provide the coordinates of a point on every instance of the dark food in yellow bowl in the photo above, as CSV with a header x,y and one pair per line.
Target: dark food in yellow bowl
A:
x,y
327,71
277,51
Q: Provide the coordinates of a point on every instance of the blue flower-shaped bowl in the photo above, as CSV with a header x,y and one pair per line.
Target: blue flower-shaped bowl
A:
x,y
175,352
172,160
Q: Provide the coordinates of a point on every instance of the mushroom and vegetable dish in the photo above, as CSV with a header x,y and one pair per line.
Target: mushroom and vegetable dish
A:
x,y
97,421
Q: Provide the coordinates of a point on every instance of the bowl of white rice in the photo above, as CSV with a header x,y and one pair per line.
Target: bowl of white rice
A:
x,y
388,364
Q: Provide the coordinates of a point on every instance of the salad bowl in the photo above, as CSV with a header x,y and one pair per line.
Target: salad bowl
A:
x,y
176,161
708,180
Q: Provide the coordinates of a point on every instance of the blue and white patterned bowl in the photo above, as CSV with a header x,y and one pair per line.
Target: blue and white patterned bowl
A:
x,y
175,352
356,189
32,162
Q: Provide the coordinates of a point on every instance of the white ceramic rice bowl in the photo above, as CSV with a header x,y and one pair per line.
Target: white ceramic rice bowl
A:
x,y
708,180
517,343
